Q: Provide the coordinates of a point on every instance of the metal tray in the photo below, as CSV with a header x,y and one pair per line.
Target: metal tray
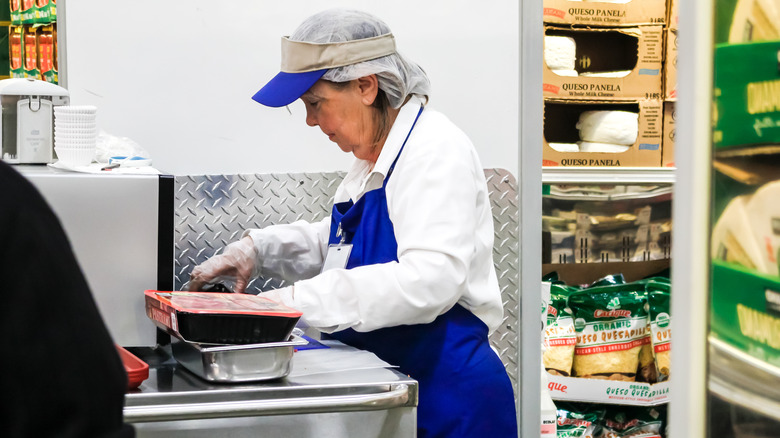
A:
x,y
236,363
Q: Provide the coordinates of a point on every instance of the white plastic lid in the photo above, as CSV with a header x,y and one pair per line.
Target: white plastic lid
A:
x,y
30,87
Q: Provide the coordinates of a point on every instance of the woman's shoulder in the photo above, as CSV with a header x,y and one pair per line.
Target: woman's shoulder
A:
x,y
437,130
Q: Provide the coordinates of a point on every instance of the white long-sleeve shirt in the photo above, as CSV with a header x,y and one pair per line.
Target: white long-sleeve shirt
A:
x,y
438,203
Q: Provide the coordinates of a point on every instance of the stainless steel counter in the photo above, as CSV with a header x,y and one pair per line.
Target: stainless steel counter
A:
x,y
316,401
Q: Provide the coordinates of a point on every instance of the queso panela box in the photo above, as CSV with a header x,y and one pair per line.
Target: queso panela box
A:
x,y
560,119
605,13
635,50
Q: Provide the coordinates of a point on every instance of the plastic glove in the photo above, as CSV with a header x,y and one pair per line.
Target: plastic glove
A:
x,y
284,295
236,264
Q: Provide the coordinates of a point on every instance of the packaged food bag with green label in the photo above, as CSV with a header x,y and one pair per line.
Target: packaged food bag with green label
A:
x,y
576,420
611,327
661,328
559,336
632,421
647,371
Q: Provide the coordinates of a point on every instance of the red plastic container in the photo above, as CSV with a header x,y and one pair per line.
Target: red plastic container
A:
x,y
137,370
221,318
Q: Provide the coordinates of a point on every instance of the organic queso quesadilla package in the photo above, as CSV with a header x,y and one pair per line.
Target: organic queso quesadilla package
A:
x,y
660,326
648,371
559,336
611,327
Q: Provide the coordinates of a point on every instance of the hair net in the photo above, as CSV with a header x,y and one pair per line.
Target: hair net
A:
x,y
398,77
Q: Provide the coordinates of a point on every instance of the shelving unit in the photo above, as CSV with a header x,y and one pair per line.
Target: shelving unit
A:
x,y
608,175
744,380
571,173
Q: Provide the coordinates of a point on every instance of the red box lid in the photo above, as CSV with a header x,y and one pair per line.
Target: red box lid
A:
x,y
137,370
222,303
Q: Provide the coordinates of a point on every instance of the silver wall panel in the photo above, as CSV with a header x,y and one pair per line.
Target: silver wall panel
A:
x,y
214,210
111,222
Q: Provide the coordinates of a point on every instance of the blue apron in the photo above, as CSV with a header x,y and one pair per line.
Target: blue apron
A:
x,y
464,390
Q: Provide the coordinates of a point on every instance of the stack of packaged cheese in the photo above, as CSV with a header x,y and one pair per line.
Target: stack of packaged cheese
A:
x,y
602,82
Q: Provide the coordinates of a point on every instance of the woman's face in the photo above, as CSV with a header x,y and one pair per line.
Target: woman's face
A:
x,y
344,113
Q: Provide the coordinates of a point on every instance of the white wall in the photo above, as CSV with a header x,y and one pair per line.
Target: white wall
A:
x,y
177,77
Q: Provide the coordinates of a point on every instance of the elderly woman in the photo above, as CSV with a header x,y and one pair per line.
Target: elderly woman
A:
x,y
403,267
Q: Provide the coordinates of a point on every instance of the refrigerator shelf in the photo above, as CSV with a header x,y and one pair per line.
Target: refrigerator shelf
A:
x,y
744,380
607,391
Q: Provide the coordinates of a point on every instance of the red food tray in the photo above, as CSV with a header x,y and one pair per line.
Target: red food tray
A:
x,y
221,318
137,370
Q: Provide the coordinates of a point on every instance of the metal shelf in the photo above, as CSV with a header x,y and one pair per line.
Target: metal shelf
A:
x,y
608,175
744,380
608,391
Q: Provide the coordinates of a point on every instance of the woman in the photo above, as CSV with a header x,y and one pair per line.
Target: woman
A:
x,y
403,267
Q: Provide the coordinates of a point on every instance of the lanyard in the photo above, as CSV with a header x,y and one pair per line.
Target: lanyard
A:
x,y
392,166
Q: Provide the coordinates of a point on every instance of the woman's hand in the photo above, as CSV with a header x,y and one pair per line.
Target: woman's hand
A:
x,y
236,264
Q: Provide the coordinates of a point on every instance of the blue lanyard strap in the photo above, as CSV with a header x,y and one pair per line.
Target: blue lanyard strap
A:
x,y
390,172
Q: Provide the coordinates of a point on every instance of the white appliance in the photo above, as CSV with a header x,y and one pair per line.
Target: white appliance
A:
x,y
27,122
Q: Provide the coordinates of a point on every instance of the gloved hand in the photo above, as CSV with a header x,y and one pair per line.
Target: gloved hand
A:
x,y
236,264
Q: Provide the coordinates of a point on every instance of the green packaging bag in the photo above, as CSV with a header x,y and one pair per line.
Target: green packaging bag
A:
x,y
611,327
559,336
632,421
658,300
576,420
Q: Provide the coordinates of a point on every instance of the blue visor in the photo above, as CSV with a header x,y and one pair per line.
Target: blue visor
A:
x,y
285,88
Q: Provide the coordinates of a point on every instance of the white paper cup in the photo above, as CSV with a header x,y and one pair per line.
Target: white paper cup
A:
x,y
76,131
75,156
75,118
75,109
70,143
75,136
76,125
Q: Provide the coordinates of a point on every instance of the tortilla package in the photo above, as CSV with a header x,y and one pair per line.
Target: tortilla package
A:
x,y
611,327
647,371
661,328
559,336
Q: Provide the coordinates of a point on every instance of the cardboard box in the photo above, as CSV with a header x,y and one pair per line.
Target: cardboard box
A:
x,y
638,49
667,145
747,95
672,17
607,391
670,65
604,13
587,273
745,311
560,119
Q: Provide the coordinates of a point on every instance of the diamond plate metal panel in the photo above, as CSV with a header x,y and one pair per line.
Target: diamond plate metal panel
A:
x,y
213,210
502,188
